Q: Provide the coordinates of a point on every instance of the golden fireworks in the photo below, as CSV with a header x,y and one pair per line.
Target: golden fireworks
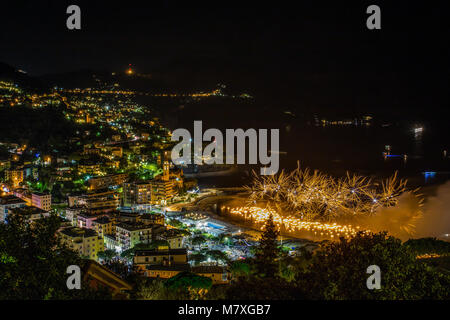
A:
x,y
316,196
294,225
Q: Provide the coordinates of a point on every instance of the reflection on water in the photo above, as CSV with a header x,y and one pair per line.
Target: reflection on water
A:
x,y
335,150
418,141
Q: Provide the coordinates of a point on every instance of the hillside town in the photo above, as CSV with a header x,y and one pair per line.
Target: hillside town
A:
x,y
113,192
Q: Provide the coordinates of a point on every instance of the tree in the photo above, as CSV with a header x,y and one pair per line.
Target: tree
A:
x,y
154,289
189,282
267,251
224,238
198,241
428,246
128,254
240,269
118,267
197,257
176,223
107,255
218,256
34,262
158,243
339,271
255,288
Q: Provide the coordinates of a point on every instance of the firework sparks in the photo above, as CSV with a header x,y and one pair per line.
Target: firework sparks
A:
x,y
293,224
314,196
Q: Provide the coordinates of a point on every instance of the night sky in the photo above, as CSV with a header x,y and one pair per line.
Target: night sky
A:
x,y
280,45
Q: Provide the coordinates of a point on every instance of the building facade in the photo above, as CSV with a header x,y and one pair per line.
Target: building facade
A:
x,y
130,234
7,203
84,241
42,200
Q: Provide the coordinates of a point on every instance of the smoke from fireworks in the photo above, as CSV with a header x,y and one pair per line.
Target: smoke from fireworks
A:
x,y
314,196
436,214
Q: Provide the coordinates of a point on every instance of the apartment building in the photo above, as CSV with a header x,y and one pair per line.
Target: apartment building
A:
x,y
7,203
130,234
42,200
84,241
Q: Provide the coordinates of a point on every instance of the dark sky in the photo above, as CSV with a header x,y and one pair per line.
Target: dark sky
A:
x,y
319,34
278,42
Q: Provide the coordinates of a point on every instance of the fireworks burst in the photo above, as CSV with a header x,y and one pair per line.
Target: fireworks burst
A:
x,y
314,196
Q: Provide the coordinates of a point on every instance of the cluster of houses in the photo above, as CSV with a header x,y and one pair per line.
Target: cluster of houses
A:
x,y
31,207
119,231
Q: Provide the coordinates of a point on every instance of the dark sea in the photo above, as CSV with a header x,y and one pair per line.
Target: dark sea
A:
x,y
421,156
332,149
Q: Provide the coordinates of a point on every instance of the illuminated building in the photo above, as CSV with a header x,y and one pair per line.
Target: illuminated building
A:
x,y
71,214
144,258
84,241
162,191
164,271
23,194
89,150
88,167
14,177
84,220
98,277
77,200
127,217
117,151
103,226
42,200
47,160
89,119
156,191
128,234
152,218
29,213
7,203
97,199
174,237
5,164
30,171
218,274
137,193
102,182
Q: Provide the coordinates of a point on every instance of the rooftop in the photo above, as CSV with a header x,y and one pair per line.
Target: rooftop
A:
x,y
102,220
79,232
11,200
163,252
169,233
133,226
208,269
40,194
152,216
27,211
87,215
173,267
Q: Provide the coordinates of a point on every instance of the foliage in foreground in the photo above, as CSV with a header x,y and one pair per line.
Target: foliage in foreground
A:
x,y
33,264
338,271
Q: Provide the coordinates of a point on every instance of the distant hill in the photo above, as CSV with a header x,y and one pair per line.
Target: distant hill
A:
x,y
158,81
10,73
85,78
